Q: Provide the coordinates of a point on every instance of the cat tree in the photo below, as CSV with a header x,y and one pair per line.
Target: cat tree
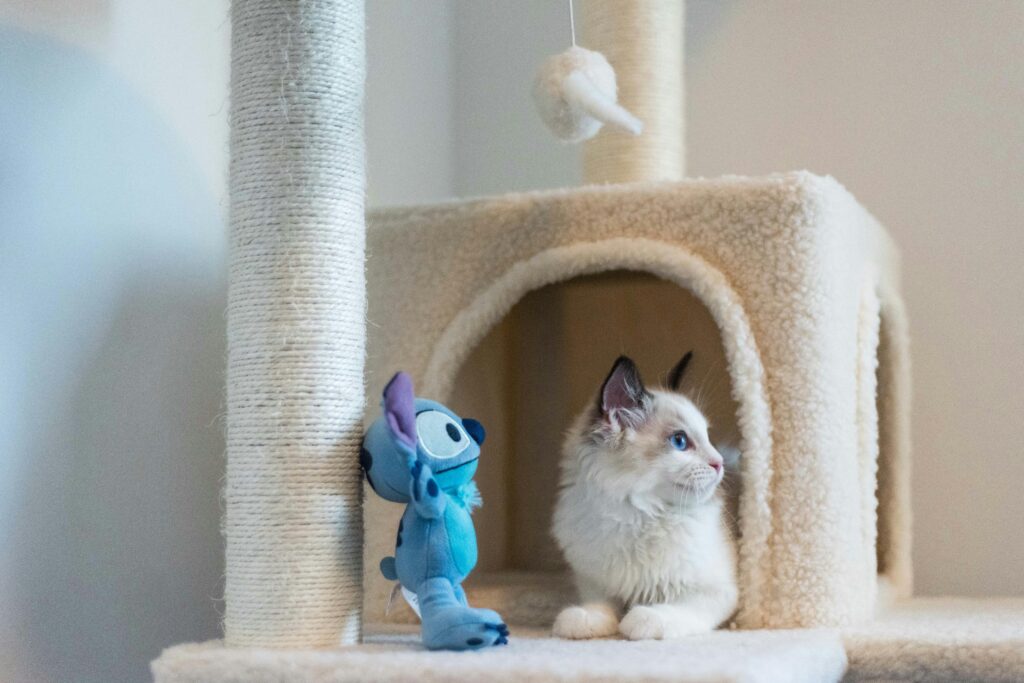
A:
x,y
801,281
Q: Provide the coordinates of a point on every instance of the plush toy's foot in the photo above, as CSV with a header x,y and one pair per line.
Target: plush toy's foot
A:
x,y
449,625
464,628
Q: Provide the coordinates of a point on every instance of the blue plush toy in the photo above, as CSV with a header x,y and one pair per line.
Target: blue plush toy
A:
x,y
420,453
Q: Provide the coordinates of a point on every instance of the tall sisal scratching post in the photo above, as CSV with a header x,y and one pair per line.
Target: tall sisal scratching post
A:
x,y
643,41
296,328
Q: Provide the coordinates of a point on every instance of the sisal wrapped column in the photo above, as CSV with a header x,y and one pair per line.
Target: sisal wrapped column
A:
x,y
643,40
296,328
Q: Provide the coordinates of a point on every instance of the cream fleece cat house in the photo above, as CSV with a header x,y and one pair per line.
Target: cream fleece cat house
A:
x,y
801,281
801,286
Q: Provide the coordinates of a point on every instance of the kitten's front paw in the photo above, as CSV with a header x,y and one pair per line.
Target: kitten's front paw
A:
x,y
645,622
592,620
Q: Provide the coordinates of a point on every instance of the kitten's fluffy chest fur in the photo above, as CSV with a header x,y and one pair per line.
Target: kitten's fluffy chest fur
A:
x,y
634,553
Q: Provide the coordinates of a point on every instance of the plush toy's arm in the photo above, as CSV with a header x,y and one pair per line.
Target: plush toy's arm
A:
x,y
427,497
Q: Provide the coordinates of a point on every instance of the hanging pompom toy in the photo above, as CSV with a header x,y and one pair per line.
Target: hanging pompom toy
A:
x,y
576,94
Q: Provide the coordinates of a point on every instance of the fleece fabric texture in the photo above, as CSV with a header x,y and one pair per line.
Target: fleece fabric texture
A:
x,y
803,284
941,640
719,657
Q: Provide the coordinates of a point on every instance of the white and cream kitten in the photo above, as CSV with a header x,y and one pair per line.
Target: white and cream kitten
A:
x,y
638,518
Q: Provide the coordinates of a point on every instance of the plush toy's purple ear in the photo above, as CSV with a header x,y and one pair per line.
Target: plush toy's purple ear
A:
x,y
400,408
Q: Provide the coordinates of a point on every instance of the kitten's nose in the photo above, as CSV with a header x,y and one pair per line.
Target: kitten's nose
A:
x,y
716,465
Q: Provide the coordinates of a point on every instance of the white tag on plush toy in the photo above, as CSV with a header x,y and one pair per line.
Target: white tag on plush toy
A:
x,y
413,601
408,595
391,598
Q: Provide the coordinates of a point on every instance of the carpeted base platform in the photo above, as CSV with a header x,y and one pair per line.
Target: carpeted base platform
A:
x,y
925,639
722,657
941,640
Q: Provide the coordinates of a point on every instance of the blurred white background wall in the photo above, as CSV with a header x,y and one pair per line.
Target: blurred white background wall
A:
x,y
112,201
112,157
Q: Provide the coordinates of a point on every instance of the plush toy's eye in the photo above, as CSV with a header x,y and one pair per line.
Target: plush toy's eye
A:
x,y
679,441
440,435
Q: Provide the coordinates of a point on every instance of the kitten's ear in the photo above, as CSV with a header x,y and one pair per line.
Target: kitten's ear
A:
x,y
676,376
623,397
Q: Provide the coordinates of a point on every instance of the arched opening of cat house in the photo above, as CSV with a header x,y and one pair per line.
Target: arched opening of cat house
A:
x,y
530,352
529,378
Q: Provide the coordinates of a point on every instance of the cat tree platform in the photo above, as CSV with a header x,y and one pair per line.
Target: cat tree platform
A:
x,y
800,280
940,640
924,639
726,656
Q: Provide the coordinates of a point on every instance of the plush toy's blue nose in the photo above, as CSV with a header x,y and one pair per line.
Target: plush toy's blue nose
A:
x,y
474,429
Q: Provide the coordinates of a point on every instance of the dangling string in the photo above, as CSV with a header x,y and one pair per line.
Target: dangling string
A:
x,y
572,24
575,91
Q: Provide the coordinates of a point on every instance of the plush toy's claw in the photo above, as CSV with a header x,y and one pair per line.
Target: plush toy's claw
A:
x,y
502,630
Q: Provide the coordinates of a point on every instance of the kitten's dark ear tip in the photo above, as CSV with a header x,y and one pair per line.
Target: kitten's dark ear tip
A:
x,y
623,386
623,365
623,361
675,377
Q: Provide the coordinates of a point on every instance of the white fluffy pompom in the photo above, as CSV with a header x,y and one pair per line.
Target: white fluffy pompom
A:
x,y
575,92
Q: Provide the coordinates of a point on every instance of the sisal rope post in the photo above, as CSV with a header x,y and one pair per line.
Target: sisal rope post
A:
x,y
296,324
643,41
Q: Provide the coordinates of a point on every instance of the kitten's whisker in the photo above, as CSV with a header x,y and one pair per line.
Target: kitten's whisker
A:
x,y
699,401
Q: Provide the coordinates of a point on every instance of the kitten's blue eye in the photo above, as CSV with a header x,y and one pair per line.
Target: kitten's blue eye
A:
x,y
679,441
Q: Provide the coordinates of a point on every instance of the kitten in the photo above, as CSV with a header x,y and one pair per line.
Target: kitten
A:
x,y
638,518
